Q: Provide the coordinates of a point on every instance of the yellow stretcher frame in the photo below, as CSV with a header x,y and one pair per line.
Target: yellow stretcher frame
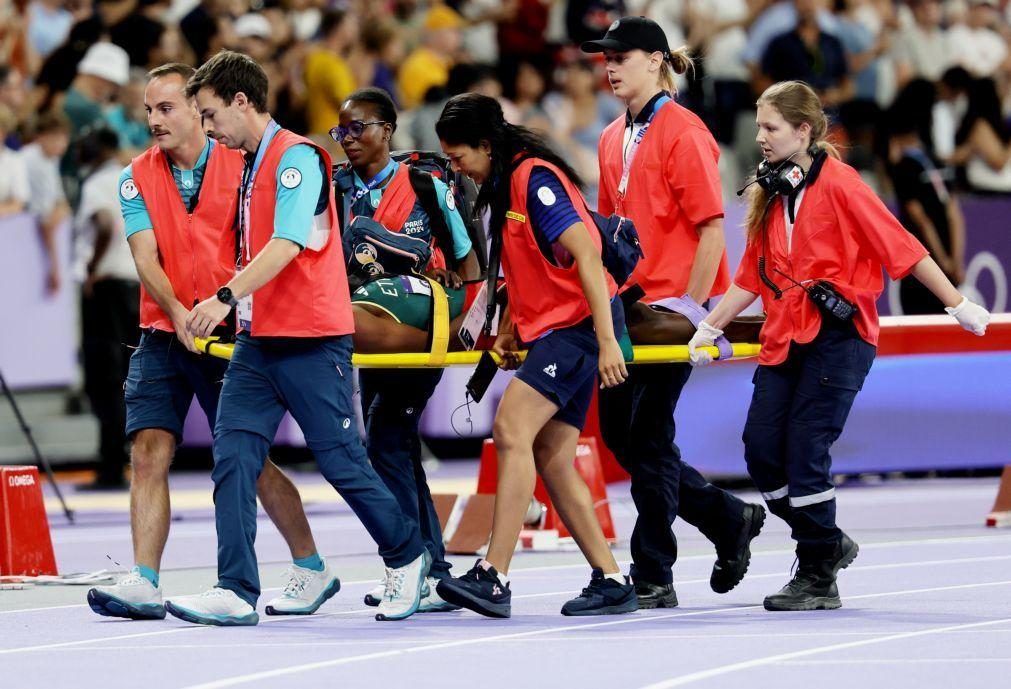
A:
x,y
439,357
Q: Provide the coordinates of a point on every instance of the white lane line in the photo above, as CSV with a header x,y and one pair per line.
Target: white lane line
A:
x,y
771,660
319,665
687,558
174,630
894,661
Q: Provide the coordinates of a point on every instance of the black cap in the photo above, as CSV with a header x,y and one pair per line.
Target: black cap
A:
x,y
630,33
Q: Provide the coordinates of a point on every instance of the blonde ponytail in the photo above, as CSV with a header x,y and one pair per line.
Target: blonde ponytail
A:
x,y
679,62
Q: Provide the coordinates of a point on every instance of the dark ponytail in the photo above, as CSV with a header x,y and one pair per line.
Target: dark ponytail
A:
x,y
470,119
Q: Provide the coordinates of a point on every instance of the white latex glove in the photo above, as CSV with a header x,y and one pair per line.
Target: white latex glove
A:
x,y
970,316
704,336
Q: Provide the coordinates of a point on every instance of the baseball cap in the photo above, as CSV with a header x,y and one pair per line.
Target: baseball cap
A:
x,y
630,33
252,25
106,61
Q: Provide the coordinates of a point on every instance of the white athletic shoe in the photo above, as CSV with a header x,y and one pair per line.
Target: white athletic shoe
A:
x,y
403,590
431,601
306,590
375,595
215,606
133,597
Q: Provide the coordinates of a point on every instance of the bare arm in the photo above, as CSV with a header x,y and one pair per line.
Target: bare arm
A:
x,y
707,259
47,231
933,278
12,207
956,228
146,258
732,303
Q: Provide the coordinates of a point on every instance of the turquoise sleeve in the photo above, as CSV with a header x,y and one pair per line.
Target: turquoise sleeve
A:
x,y
461,240
299,182
131,203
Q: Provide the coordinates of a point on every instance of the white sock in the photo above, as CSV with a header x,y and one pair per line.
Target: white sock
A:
x,y
617,576
502,578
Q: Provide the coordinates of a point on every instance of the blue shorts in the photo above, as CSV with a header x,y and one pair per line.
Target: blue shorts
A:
x,y
562,366
164,376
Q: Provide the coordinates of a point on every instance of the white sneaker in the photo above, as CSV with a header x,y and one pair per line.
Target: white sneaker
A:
x,y
215,606
375,595
431,601
133,597
403,590
306,590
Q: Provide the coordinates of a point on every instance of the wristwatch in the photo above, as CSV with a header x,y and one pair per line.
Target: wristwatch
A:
x,y
225,297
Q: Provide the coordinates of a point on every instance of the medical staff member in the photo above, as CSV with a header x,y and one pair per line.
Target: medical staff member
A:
x,y
380,188
818,238
179,200
658,166
293,350
563,306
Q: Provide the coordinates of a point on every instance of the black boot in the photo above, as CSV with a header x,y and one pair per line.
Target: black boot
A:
x,y
813,587
735,555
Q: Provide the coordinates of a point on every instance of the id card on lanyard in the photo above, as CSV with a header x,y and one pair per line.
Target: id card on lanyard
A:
x,y
627,162
244,309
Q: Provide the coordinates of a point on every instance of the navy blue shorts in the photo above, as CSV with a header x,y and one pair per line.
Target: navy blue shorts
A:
x,y
164,376
562,366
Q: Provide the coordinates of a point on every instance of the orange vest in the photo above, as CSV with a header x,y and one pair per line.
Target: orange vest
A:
x,y
843,234
399,199
542,296
196,251
673,186
309,297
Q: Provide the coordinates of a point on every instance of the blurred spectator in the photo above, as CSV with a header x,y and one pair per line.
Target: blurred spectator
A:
x,y
140,31
927,208
100,74
201,28
463,78
860,29
807,53
429,64
522,25
978,47
48,203
382,52
578,114
328,77
14,190
14,97
772,19
255,37
587,20
923,49
109,300
524,93
128,118
49,24
982,140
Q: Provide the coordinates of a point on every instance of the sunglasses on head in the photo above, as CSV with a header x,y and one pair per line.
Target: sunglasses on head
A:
x,y
355,129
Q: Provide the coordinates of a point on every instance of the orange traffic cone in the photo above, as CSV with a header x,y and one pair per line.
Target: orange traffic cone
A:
x,y
26,548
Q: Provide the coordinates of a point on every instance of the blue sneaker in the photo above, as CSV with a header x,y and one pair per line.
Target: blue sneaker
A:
x,y
479,590
132,597
603,597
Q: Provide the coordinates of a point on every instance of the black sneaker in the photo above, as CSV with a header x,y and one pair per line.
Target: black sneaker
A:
x,y
603,597
479,590
655,595
733,563
806,591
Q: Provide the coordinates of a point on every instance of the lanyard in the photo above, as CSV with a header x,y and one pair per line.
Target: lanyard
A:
x,y
246,191
627,165
372,183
